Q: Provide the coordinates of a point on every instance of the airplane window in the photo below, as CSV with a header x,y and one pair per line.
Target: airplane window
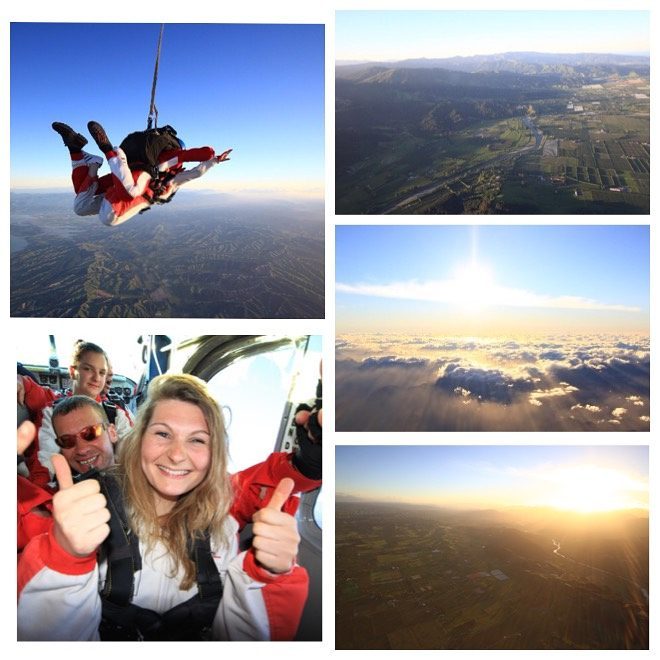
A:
x,y
255,389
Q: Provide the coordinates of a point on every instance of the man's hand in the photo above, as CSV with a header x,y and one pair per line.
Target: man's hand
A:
x,y
276,536
223,156
79,510
25,434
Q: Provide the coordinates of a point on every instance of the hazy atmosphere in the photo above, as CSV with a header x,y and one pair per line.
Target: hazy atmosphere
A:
x,y
492,547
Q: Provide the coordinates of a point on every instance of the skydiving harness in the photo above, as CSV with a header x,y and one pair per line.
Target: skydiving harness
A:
x,y
142,148
124,621
308,458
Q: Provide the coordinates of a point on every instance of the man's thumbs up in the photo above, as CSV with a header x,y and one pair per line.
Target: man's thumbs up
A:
x,y
79,511
276,536
62,471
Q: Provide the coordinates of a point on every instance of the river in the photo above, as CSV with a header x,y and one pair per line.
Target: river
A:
x,y
557,548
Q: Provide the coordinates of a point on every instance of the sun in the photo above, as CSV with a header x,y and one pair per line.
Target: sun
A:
x,y
591,488
474,284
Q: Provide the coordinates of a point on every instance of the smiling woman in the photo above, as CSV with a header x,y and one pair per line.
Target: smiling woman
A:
x,y
175,452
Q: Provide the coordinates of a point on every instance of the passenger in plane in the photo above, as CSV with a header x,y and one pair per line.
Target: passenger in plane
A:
x,y
86,440
172,492
130,188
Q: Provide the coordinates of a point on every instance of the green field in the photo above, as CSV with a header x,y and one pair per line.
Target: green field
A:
x,y
597,159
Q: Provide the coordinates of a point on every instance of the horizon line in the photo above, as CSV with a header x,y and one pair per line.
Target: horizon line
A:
x,y
356,60
346,498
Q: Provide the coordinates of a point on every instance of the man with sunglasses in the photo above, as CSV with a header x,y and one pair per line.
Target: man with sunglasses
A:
x,y
83,434
86,440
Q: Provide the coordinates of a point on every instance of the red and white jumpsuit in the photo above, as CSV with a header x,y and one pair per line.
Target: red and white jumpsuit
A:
x,y
118,196
59,594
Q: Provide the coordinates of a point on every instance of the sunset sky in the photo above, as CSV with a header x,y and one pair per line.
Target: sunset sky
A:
x,y
583,478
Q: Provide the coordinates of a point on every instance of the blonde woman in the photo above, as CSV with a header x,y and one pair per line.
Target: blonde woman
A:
x,y
149,549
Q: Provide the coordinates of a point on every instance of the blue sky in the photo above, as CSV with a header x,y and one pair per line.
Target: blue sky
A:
x,y
396,35
486,476
256,88
571,274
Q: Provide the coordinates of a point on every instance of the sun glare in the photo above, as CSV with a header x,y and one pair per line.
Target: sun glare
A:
x,y
474,283
589,489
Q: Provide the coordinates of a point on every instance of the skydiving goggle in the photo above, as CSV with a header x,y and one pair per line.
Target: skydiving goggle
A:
x,y
89,433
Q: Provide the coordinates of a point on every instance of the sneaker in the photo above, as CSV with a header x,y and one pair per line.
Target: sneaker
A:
x,y
100,136
72,140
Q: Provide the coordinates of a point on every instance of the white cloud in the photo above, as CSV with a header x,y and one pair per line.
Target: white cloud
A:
x,y
562,390
456,292
619,412
586,406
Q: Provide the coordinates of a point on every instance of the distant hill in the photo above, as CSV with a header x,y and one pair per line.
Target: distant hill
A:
x,y
528,63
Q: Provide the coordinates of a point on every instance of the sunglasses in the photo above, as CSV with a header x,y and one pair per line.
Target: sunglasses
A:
x,y
89,433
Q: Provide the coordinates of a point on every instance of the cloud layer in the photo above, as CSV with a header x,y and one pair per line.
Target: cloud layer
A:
x,y
589,382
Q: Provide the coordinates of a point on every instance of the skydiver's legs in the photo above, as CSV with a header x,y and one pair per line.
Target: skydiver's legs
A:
x,y
88,202
73,141
84,171
116,213
129,184
84,175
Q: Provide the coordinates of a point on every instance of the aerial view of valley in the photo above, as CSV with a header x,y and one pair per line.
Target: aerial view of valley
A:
x,y
519,132
211,259
492,548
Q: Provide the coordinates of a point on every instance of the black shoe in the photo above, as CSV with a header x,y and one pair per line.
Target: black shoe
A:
x,y
100,137
74,141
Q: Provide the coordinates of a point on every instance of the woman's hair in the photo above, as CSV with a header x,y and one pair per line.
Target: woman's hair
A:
x,y
202,509
81,347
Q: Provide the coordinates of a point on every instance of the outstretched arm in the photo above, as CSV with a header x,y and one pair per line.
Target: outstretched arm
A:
x,y
173,157
188,175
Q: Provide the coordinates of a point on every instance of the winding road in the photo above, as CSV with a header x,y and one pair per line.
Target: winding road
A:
x,y
536,133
